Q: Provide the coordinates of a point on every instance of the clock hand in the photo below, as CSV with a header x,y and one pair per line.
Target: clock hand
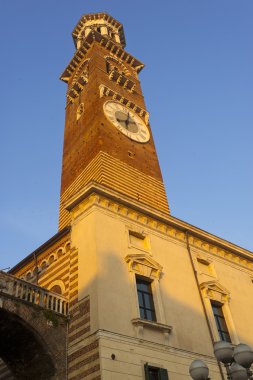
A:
x,y
123,121
127,120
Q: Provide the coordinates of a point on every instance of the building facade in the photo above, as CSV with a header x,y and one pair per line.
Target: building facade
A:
x,y
147,293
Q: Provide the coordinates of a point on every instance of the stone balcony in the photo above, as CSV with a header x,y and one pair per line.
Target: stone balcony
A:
x,y
33,294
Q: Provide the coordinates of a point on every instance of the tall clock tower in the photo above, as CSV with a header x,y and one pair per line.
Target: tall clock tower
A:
x,y
147,293
108,143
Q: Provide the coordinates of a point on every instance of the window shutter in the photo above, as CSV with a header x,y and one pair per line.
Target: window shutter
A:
x,y
163,374
146,371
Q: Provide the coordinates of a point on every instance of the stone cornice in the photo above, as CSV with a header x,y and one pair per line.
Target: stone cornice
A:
x,y
167,225
108,44
93,16
144,265
130,340
152,325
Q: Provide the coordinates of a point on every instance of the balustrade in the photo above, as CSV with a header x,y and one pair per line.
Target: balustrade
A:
x,y
28,292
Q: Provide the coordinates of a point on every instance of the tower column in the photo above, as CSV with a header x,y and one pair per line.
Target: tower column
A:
x,y
104,30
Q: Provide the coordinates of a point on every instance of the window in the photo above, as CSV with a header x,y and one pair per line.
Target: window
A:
x,y
145,298
56,289
44,265
220,321
154,373
51,259
138,240
79,111
28,276
204,267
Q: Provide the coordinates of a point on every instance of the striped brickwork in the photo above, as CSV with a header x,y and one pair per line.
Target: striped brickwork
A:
x,y
84,362
58,265
122,178
80,321
83,358
58,272
53,266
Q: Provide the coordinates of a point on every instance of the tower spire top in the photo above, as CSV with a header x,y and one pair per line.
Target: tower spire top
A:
x,y
102,23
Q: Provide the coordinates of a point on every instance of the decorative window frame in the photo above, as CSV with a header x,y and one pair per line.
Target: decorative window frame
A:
x,y
79,111
214,291
142,235
79,80
59,283
113,61
204,277
144,266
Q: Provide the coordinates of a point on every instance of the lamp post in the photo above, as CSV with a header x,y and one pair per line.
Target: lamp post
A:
x,y
236,359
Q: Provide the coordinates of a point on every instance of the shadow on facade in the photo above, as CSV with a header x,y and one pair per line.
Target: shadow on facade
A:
x,y
116,307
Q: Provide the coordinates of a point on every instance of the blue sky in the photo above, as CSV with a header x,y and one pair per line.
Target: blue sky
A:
x,y
197,85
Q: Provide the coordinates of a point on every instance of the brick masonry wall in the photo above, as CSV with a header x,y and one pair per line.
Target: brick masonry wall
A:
x,y
83,363
59,265
83,353
37,336
5,373
92,135
120,177
53,266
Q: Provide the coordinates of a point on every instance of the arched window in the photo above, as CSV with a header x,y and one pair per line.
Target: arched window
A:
x,y
56,289
67,247
43,265
51,259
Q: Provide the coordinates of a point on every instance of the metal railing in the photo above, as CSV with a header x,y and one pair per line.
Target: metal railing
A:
x,y
34,294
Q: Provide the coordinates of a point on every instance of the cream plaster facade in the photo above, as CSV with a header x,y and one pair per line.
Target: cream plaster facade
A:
x,y
114,243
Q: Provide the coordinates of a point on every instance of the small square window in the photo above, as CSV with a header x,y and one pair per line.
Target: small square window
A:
x,y
138,240
204,267
155,373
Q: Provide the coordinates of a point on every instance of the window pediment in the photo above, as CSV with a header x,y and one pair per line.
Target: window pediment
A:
x,y
143,265
215,291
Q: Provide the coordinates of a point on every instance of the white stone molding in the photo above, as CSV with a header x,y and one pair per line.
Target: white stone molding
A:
x,y
143,265
79,112
213,291
59,283
119,73
138,239
27,292
205,268
111,60
112,47
80,79
141,324
243,259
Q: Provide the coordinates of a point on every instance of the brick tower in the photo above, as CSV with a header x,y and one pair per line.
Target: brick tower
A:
x,y
108,144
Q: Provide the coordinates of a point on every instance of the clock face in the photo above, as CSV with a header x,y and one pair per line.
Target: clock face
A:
x,y
126,121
